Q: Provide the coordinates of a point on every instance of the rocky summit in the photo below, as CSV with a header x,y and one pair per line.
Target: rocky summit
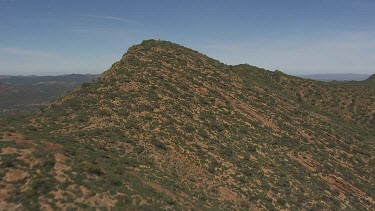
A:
x,y
168,128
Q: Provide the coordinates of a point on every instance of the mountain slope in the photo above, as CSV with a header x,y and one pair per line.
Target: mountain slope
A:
x,y
167,127
371,78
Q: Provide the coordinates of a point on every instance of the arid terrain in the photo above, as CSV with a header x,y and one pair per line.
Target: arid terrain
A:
x,y
168,128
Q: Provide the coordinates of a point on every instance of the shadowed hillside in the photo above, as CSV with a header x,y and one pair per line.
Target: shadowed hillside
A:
x,y
169,128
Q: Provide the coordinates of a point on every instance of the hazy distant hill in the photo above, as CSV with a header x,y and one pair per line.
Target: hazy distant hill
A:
x,y
29,93
167,128
337,77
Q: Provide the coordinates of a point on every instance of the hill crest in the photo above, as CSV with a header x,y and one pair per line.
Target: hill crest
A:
x,y
371,78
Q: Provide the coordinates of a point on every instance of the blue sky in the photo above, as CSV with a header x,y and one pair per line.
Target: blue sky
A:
x,y
298,37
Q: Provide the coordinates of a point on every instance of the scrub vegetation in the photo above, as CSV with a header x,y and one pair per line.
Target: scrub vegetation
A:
x,y
169,128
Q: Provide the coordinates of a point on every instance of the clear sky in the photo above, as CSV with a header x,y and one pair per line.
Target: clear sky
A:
x,y
86,36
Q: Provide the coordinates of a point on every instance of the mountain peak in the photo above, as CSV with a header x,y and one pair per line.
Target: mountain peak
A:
x,y
152,45
161,45
154,54
153,42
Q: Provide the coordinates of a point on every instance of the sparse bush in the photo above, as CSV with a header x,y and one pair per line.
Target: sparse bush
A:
x,y
158,143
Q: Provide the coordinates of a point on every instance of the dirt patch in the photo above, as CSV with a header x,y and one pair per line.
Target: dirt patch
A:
x,y
175,161
8,150
59,169
181,197
14,136
15,175
345,187
84,190
306,161
60,157
200,90
52,146
4,192
26,143
9,206
58,194
169,193
226,194
253,113
131,86
105,201
305,135
160,189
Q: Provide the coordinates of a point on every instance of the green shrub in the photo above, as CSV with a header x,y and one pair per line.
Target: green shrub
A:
x,y
158,143
202,133
281,201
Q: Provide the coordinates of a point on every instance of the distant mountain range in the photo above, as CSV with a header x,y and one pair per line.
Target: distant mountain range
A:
x,y
29,93
337,77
